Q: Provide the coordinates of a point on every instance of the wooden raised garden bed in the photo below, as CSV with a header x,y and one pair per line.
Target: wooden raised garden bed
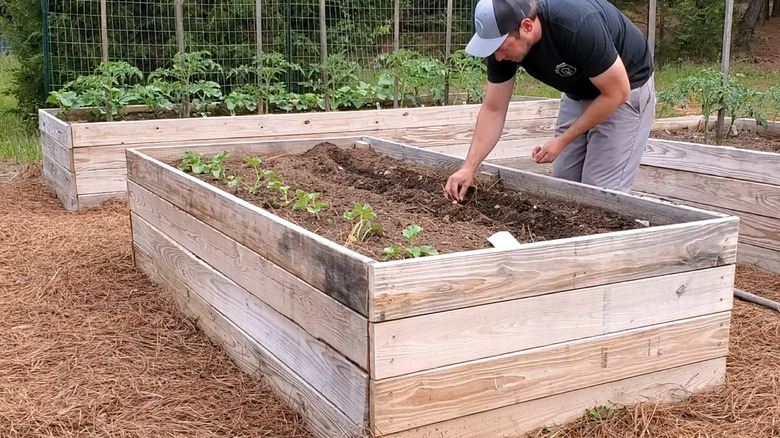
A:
x,y
485,342
85,162
738,182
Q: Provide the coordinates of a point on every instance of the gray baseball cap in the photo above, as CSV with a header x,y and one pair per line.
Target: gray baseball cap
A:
x,y
493,20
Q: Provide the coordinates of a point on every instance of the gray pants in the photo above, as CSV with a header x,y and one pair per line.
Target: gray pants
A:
x,y
608,155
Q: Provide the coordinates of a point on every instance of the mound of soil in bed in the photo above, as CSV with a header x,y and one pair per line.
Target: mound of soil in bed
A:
x,y
402,194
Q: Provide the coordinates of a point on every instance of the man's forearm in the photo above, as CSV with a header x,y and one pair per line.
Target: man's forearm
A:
x,y
487,131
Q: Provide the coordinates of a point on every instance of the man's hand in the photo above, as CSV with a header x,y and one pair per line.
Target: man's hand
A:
x,y
548,152
458,183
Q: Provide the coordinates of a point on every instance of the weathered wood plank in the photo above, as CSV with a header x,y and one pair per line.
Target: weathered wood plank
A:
x,y
435,135
113,157
526,164
320,315
772,128
101,181
321,416
671,385
53,149
455,391
728,162
331,268
675,123
658,213
677,185
433,284
96,200
753,229
54,127
761,258
117,133
62,181
403,346
261,148
330,373
504,148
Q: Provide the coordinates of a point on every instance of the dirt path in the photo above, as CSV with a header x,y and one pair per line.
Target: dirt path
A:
x,y
765,48
90,348
93,349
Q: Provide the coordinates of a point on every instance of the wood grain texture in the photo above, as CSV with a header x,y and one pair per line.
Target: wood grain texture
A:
x,y
675,123
62,181
320,415
97,200
262,148
756,230
101,181
526,164
455,391
330,373
762,258
118,133
403,346
512,421
433,284
461,134
331,268
60,154
320,315
728,162
681,186
50,124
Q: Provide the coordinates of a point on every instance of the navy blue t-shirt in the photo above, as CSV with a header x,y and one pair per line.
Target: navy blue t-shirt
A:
x,y
581,39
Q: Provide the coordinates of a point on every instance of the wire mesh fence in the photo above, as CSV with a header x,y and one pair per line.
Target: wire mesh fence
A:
x,y
148,33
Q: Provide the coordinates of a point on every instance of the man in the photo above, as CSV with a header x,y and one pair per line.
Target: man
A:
x,y
586,49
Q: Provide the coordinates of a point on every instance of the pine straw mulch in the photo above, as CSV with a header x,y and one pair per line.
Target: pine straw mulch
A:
x,y
747,405
89,347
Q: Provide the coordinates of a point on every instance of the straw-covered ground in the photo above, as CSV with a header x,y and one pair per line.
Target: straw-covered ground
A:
x,y
90,348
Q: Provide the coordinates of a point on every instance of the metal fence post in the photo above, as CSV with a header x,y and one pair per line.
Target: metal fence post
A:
x,y
324,53
396,45
288,39
725,57
178,13
259,31
104,29
448,53
651,15
46,51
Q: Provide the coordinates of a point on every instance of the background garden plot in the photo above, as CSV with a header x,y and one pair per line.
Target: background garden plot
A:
x,y
145,34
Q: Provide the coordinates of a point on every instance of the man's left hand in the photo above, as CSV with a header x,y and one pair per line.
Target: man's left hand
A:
x,y
548,152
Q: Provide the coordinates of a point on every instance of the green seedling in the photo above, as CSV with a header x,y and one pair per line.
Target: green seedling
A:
x,y
236,181
195,163
308,201
410,232
601,412
360,218
277,183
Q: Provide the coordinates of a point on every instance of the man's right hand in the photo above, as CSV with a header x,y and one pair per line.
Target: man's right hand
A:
x,y
458,183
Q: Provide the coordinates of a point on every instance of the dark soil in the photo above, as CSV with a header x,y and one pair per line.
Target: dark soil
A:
x,y
743,140
402,194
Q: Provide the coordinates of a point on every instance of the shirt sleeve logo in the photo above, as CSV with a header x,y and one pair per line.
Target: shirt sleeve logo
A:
x,y
565,70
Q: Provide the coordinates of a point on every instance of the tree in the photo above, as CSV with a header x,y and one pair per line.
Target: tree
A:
x,y
756,10
21,23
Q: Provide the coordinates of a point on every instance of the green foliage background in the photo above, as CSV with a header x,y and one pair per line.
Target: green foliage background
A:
x,y
21,24
142,32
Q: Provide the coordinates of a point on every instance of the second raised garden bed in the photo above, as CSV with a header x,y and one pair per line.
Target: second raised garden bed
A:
x,y
471,342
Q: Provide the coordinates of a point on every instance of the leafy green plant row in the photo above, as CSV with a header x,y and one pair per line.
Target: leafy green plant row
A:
x,y
188,87
360,218
711,93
